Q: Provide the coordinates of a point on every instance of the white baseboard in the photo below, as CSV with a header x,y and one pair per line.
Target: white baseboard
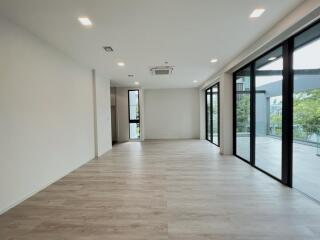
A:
x,y
108,149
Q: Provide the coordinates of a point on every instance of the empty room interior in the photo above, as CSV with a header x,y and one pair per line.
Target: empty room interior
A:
x,y
160,119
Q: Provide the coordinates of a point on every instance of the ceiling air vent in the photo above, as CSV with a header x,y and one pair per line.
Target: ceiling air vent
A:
x,y
162,70
108,49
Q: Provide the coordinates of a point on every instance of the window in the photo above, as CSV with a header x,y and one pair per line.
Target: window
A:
x,y
242,120
268,112
277,112
134,114
208,114
215,114
212,114
306,112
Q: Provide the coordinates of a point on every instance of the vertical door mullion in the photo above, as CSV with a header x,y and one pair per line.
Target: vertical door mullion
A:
x,y
218,118
234,113
287,112
211,114
252,114
206,109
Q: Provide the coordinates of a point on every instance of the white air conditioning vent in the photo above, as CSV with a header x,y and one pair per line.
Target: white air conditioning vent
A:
x,y
161,70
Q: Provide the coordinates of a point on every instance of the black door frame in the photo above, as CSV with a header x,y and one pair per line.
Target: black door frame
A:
x,y
216,85
234,122
287,109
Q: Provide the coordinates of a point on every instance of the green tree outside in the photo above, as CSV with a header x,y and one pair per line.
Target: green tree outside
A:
x,y
306,117
243,113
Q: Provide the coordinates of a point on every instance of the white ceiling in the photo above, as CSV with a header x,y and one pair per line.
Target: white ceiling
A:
x,y
145,33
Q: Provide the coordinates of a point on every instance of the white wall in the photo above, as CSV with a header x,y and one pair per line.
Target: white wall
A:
x,y
113,94
226,114
171,113
202,106
122,114
103,105
46,121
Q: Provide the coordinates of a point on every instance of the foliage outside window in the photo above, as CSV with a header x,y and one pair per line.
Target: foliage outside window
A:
x,y
306,120
243,113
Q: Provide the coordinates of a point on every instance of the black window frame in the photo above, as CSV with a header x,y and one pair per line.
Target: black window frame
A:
x,y
234,111
134,120
206,111
287,108
216,85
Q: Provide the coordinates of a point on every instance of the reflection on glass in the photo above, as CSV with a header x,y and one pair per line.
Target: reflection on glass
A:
x,y
134,130
134,116
134,104
306,112
215,120
134,111
243,114
268,119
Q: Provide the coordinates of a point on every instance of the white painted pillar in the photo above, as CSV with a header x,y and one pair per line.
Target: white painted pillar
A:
x,y
141,99
226,114
95,127
202,114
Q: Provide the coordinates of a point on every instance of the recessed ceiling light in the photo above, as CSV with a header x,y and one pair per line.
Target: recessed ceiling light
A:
x,y
136,83
121,64
257,13
214,60
272,58
195,81
85,21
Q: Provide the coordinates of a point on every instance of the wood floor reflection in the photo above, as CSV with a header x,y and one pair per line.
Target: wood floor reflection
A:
x,y
179,189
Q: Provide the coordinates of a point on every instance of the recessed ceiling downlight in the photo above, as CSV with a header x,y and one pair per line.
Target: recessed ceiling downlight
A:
x,y
195,81
85,21
257,13
136,83
214,60
121,64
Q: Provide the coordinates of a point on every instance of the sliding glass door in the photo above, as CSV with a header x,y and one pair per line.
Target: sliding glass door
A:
x,y
306,112
208,115
277,112
242,122
268,112
215,114
212,114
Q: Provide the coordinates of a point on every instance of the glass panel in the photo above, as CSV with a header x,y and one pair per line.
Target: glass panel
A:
x,y
134,130
134,97
134,112
134,104
208,96
243,114
268,119
215,116
306,112
134,116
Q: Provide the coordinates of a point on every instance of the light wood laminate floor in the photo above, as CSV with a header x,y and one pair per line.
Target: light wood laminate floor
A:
x,y
182,190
